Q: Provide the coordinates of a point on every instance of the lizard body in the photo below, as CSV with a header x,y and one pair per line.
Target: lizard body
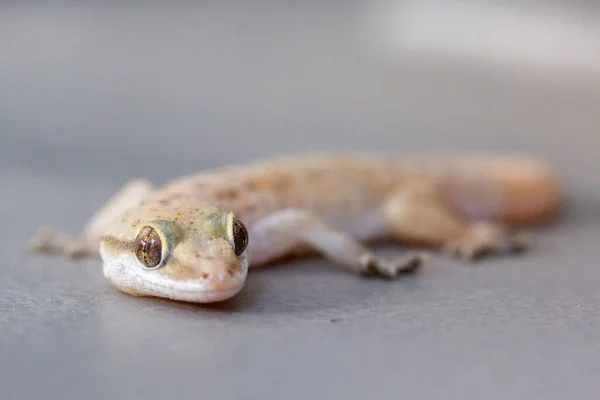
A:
x,y
194,238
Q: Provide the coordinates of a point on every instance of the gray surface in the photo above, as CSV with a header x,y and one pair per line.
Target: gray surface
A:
x,y
93,96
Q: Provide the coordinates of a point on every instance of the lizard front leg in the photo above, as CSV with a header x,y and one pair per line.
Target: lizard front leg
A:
x,y
86,243
420,213
282,232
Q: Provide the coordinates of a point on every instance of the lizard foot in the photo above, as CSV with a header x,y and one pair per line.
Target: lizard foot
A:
x,y
48,241
374,266
486,239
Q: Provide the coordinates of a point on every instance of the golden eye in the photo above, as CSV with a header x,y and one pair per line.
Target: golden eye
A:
x,y
240,237
148,247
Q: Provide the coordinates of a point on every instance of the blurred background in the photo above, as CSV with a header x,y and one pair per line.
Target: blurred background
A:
x,y
93,94
164,88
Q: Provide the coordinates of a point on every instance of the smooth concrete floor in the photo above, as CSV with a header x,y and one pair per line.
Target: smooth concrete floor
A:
x,y
93,95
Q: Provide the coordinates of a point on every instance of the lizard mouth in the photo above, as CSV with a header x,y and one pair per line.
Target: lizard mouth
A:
x,y
124,273
196,292
208,289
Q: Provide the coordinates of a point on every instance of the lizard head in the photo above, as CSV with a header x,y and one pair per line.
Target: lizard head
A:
x,y
176,249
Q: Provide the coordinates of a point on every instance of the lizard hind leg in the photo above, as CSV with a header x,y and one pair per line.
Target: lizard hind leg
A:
x,y
86,243
487,238
419,213
282,232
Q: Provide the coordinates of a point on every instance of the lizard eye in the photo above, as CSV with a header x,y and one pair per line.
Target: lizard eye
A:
x,y
240,237
148,247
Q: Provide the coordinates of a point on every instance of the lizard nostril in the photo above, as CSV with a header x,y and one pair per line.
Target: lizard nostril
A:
x,y
205,275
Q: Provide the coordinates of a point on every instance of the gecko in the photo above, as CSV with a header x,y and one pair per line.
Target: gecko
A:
x,y
194,238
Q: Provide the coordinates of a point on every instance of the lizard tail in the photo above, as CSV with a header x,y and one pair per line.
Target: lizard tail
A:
x,y
530,191
514,190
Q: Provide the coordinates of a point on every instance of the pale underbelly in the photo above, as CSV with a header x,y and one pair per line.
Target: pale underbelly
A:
x,y
366,226
277,235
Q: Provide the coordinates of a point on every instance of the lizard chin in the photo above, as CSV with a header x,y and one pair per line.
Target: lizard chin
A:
x,y
123,271
190,292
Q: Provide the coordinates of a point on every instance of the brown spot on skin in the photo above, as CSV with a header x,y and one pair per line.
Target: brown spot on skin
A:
x,y
250,208
227,194
274,181
252,184
205,275
230,272
282,183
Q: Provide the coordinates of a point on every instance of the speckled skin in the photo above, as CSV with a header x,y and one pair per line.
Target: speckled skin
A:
x,y
323,203
320,183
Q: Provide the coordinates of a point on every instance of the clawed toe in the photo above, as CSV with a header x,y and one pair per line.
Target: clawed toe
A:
x,y
373,265
48,241
516,243
474,247
43,241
